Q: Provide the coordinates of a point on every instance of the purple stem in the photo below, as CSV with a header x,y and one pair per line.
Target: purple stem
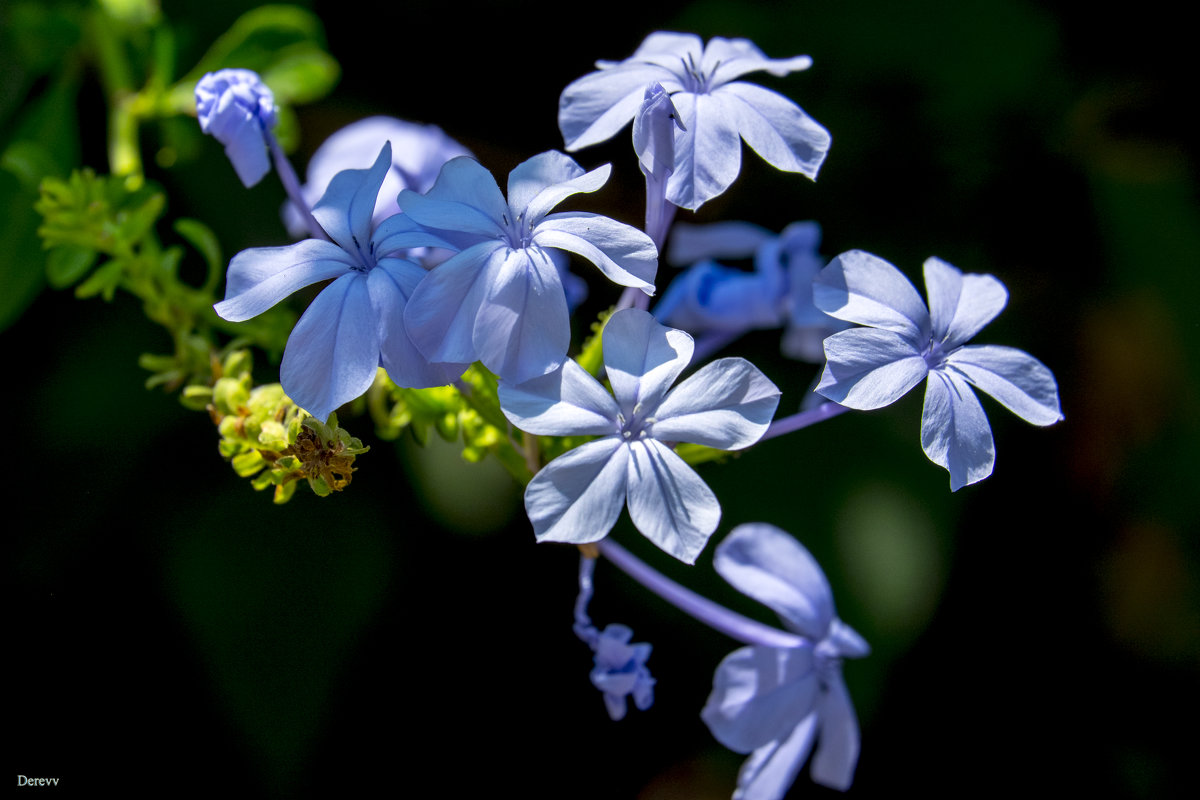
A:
x,y
803,419
291,185
711,614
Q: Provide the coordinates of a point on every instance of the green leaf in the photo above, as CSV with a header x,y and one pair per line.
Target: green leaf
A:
x,y
201,237
303,74
68,263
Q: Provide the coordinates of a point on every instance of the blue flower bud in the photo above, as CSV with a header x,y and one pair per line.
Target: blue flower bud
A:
x,y
238,109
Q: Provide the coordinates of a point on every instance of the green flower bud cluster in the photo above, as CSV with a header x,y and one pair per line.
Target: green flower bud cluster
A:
x,y
270,439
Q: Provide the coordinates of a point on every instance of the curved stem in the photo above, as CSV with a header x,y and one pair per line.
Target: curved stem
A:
x,y
291,185
803,419
711,614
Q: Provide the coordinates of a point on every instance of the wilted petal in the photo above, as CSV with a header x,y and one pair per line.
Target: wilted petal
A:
x,y
837,738
728,404
862,288
523,329
333,352
348,204
260,277
776,128
954,430
391,283
668,501
626,255
440,315
759,695
764,562
566,402
643,358
577,497
960,305
868,368
1024,385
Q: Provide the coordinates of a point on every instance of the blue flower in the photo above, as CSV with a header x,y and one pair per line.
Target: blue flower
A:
x,y
238,109
776,702
621,671
905,342
501,299
716,110
577,497
418,153
354,326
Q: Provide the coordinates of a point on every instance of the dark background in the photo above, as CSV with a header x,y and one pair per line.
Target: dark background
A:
x,y
174,633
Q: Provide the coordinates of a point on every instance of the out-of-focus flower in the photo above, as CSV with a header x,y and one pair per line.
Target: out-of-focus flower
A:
x,y
578,496
905,342
238,110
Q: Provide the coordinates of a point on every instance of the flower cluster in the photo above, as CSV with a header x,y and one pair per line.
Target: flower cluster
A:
x,y
462,295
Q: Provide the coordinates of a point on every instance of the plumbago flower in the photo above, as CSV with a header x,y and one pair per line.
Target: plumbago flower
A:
x,y
905,342
354,325
577,497
418,153
775,702
501,299
238,109
715,110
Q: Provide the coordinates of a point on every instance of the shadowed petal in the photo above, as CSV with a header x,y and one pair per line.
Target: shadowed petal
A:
x,y
759,695
668,501
523,328
643,358
577,497
333,352
1024,385
837,739
348,204
727,404
960,305
708,154
954,430
770,771
763,562
440,314
260,277
869,368
776,128
862,288
566,402
390,284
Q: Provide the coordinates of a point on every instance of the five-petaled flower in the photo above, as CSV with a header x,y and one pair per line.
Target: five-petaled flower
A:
x,y
501,299
905,341
775,702
237,108
715,109
577,497
354,326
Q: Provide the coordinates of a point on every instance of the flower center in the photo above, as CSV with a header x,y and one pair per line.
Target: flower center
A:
x,y
636,427
694,79
366,258
935,354
517,231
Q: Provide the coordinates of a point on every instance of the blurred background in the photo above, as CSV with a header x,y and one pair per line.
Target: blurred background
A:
x,y
173,632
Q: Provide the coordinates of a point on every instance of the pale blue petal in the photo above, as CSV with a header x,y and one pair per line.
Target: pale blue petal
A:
x,y
440,315
775,128
868,368
954,430
333,352
692,243
711,297
348,204
260,277
759,695
523,328
847,641
770,771
595,107
654,129
390,284
668,502
728,404
708,153
863,288
836,755
399,232
538,184
767,564
960,305
465,198
626,255
577,497
727,59
245,146
1021,383
566,402
643,358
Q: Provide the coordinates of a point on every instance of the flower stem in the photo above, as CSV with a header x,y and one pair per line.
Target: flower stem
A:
x,y
291,185
803,419
711,614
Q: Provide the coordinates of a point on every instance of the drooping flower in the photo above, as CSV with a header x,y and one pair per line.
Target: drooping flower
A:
x,y
577,497
716,110
238,109
500,300
905,342
418,153
355,324
776,702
